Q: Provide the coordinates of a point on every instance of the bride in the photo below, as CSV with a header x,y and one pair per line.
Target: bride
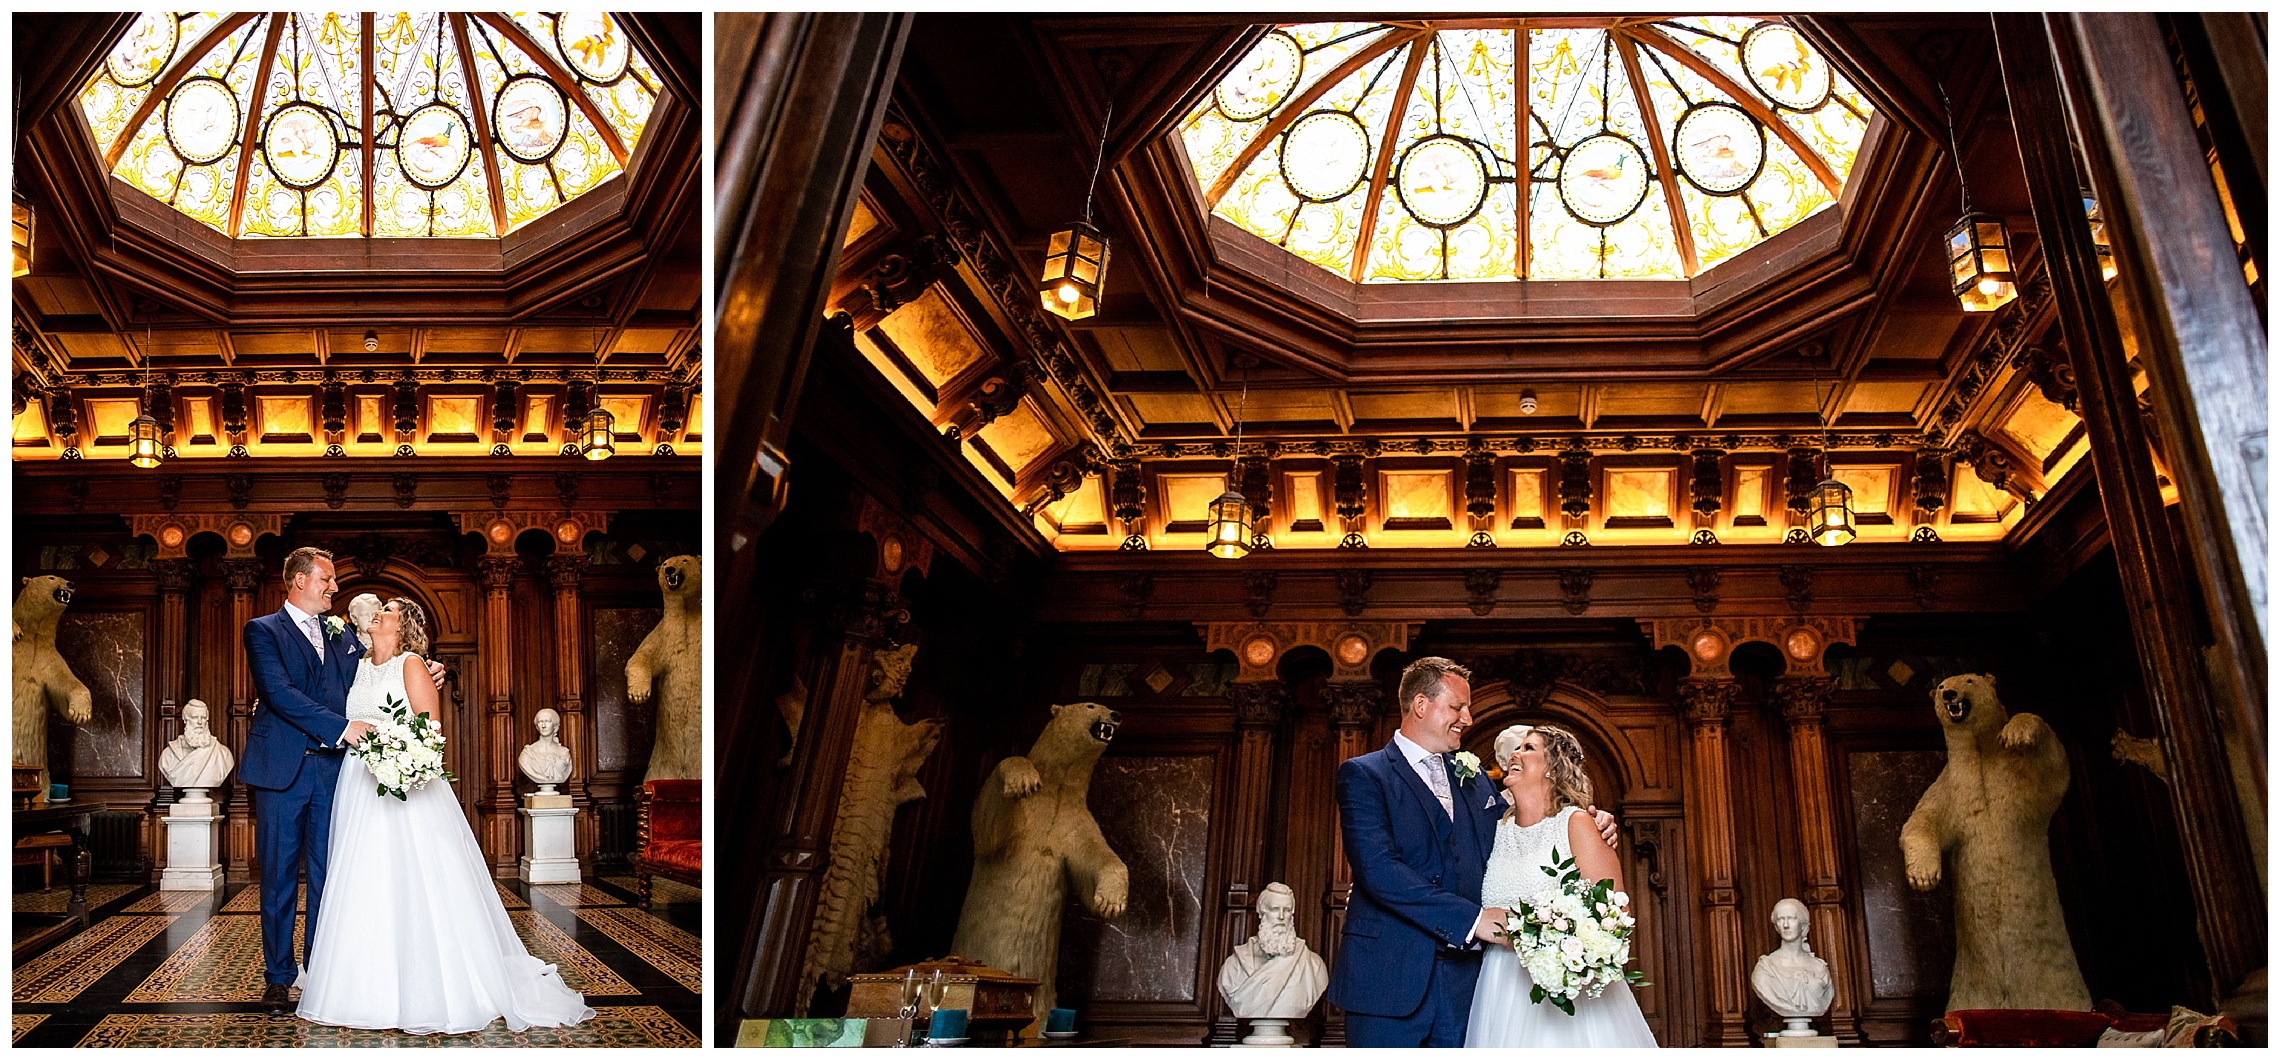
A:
x,y
425,945
1544,781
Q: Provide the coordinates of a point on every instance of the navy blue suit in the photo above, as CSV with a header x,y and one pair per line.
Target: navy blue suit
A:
x,y
1406,964
291,764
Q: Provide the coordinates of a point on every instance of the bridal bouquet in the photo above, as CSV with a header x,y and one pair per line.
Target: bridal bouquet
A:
x,y
404,752
1574,938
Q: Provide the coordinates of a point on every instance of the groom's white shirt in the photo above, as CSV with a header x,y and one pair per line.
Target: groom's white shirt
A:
x,y
1436,780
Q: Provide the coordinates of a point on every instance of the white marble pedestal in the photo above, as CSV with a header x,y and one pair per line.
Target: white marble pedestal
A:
x,y
193,835
1269,1034
550,834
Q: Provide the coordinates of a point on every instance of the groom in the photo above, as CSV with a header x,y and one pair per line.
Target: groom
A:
x,y
303,663
1418,832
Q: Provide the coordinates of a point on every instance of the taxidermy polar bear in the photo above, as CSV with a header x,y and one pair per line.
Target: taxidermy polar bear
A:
x,y
43,679
1034,837
670,663
1991,805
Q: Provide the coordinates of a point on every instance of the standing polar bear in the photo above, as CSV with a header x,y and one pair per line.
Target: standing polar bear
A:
x,y
43,679
1991,805
670,663
1034,837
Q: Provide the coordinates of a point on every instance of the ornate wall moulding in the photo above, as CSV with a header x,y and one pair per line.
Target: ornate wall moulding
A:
x,y
1260,646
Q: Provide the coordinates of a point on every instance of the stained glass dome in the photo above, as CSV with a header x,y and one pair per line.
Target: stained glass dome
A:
x,y
1653,147
385,124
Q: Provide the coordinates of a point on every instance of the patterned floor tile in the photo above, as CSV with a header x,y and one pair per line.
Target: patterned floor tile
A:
x,y
667,948
510,898
249,900
60,974
170,902
25,1021
580,969
58,899
636,1026
222,962
666,892
575,894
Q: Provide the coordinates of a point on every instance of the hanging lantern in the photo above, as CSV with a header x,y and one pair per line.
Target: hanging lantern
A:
x,y
599,437
1832,513
1075,263
2097,216
1979,263
20,236
1230,526
144,451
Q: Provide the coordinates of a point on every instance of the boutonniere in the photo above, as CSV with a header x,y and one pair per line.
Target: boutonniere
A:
x,y
333,625
1468,765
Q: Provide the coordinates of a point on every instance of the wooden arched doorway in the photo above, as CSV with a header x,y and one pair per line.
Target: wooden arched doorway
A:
x,y
453,615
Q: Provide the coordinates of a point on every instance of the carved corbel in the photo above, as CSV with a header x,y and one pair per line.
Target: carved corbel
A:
x,y
1353,587
336,490
1259,590
1259,704
1480,499
1480,589
1575,486
1709,486
1924,582
1350,494
1353,704
1138,586
1575,589
1704,581
1797,579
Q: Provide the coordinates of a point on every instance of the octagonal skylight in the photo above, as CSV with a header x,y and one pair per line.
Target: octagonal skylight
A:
x,y
1655,147
387,124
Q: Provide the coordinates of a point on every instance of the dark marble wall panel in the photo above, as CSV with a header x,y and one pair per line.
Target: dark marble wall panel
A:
x,y
621,729
1155,812
105,649
1911,934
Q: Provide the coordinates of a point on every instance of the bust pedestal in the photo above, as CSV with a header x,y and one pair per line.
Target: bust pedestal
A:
x,y
1269,1034
550,834
193,831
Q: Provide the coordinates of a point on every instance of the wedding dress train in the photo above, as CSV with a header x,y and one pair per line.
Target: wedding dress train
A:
x,y
1502,1016
413,934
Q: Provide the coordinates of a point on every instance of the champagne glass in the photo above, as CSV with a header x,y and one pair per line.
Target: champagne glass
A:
x,y
935,988
909,1005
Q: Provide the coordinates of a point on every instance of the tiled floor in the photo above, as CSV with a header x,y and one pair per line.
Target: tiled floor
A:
x,y
183,969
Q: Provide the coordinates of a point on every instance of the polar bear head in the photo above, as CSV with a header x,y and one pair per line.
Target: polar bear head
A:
x,y
682,578
41,602
1078,733
1968,701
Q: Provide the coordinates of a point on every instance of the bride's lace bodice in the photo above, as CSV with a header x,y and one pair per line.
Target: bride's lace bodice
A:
x,y
1516,866
368,697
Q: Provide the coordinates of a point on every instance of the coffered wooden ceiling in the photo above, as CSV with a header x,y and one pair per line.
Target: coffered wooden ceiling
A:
x,y
1940,420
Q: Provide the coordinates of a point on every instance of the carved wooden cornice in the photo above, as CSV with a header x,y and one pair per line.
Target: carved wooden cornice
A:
x,y
238,530
500,529
1709,641
1260,646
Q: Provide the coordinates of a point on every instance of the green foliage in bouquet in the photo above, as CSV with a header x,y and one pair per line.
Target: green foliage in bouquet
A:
x,y
374,747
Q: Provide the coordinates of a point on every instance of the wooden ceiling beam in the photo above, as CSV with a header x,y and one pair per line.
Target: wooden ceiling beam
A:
x,y
1384,163
483,141
1666,173
246,146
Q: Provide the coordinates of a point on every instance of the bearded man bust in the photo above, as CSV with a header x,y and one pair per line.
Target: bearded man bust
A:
x,y
1273,974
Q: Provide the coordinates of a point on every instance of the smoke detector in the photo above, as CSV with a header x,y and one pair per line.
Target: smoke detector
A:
x,y
371,341
1527,402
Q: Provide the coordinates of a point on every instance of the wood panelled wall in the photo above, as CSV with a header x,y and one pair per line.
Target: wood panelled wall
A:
x,y
153,630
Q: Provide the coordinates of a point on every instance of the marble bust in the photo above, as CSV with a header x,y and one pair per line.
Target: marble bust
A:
x,y
1274,975
195,760
544,760
1792,981
361,608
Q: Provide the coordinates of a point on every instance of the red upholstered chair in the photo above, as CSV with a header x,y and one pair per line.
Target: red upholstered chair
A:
x,y
2041,1028
671,844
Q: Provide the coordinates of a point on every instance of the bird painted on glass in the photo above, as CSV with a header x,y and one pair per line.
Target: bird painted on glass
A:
x,y
528,125
437,142
1608,174
1790,76
1716,153
594,47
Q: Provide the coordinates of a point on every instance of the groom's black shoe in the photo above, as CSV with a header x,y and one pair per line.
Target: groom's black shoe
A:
x,y
277,998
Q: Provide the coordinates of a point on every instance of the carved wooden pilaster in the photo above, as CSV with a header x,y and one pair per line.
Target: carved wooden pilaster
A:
x,y
1354,710
171,645
564,572
244,576
1260,707
1803,702
1705,703
500,837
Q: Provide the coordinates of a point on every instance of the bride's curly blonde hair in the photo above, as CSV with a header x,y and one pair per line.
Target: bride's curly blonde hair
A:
x,y
411,627
1563,762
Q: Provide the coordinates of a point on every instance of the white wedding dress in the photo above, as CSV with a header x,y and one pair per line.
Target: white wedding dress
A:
x,y
1502,1015
413,935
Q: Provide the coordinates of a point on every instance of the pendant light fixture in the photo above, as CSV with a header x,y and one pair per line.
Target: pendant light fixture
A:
x,y
1829,519
1980,269
600,442
1229,534
143,441
1076,260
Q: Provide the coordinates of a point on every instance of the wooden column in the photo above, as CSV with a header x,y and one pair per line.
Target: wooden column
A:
x,y
1354,710
564,572
1259,710
1706,702
1803,701
496,646
2227,898
170,647
244,575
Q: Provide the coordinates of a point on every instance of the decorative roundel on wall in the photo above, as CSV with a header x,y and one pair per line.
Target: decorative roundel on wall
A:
x,y
171,535
591,45
500,532
1720,150
299,146
1323,155
1259,651
567,531
1783,69
891,553
144,53
1707,644
1268,73
1603,178
530,118
1803,644
433,145
241,534
1442,181
1353,649
201,120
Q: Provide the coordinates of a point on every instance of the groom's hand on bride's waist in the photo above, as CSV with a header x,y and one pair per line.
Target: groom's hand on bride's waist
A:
x,y
1490,928
356,731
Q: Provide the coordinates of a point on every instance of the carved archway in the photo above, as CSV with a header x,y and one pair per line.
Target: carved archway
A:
x,y
452,642
1609,759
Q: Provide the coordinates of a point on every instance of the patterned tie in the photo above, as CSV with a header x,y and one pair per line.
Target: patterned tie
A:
x,y
1437,778
316,638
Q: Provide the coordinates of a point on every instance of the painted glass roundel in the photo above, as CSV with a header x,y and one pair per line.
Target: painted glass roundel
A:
x,y
1323,157
143,54
1781,66
530,118
589,41
1266,75
1719,148
300,146
433,145
1603,179
202,120
1442,181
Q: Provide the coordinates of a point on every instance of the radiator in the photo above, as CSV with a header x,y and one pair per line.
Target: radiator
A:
x,y
618,820
116,841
